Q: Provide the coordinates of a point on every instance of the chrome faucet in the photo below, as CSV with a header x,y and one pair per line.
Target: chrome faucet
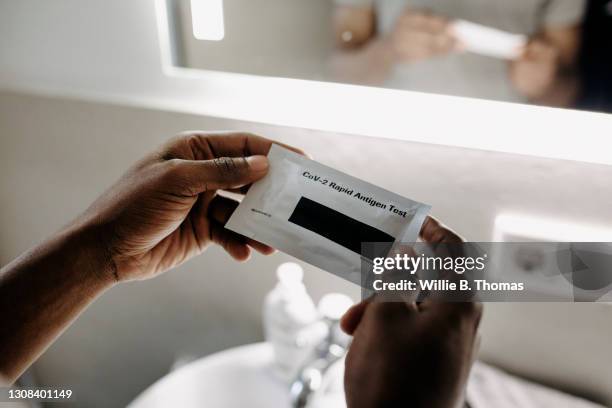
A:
x,y
333,347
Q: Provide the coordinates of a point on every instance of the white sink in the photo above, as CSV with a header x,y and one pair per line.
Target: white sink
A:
x,y
238,377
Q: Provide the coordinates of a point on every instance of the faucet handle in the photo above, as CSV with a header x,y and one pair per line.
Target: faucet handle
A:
x,y
331,349
331,308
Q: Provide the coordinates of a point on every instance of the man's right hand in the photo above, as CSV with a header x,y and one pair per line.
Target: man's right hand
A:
x,y
419,36
408,355
411,355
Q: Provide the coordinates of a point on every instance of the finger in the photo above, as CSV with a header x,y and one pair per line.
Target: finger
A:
x,y
199,220
352,317
434,232
417,21
193,177
426,22
520,55
390,312
260,247
469,312
429,227
441,43
444,243
415,46
436,24
233,244
530,51
525,54
221,209
233,144
198,145
538,48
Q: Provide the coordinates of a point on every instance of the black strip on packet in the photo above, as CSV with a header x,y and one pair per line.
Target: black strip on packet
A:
x,y
335,226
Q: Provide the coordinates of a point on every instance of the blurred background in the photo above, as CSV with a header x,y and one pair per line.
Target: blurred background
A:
x,y
402,44
85,91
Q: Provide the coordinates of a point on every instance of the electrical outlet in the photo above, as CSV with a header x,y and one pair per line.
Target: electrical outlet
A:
x,y
575,247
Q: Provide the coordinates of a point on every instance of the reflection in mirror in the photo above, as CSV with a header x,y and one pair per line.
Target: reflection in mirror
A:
x,y
550,52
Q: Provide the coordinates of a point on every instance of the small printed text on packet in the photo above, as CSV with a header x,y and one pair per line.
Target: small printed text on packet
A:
x,y
371,201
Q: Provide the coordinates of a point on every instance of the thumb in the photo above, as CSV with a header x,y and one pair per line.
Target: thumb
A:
x,y
193,177
352,317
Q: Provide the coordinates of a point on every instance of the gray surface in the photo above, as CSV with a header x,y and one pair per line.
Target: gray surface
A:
x,y
57,155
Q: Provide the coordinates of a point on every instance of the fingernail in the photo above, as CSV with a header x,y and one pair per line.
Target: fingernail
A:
x,y
257,163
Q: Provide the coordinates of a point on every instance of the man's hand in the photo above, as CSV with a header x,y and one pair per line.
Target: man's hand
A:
x,y
418,36
535,72
162,212
166,209
411,355
408,355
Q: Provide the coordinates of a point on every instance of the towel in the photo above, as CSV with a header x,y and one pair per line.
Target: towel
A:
x,y
490,387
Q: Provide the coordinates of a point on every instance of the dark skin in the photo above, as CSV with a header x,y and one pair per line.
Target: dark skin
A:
x,y
406,354
167,209
162,212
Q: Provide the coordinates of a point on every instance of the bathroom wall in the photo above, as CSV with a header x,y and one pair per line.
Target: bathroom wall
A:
x,y
57,155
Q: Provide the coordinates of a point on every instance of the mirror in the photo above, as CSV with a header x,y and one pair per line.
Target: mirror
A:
x,y
547,52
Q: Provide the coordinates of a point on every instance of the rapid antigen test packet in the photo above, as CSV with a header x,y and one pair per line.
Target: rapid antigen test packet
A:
x,y
488,41
322,216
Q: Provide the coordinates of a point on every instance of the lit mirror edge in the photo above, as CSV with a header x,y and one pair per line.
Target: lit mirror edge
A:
x,y
539,131
209,24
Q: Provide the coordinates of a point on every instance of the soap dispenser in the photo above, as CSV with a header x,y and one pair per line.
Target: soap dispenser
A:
x,y
290,320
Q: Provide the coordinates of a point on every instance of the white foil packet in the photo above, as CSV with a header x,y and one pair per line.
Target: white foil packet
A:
x,y
321,215
489,41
